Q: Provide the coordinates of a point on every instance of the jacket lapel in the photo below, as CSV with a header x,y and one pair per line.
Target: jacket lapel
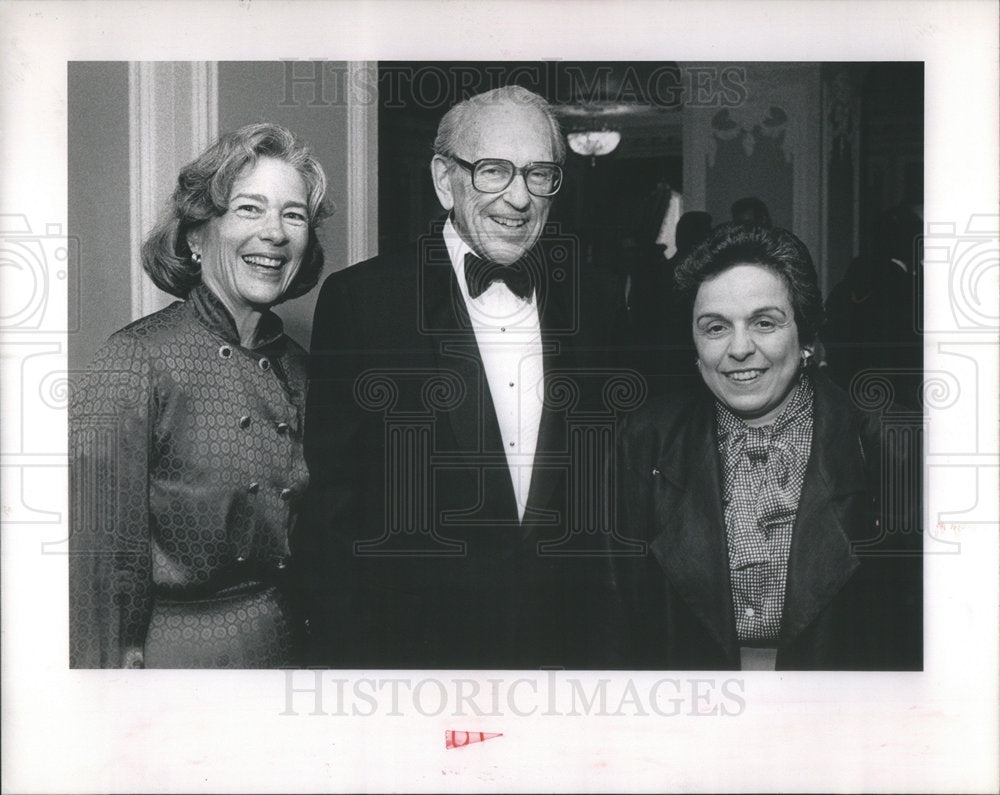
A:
x,y
821,561
691,544
473,422
552,446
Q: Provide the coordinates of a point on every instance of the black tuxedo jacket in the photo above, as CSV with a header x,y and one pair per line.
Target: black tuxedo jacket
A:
x,y
854,591
409,548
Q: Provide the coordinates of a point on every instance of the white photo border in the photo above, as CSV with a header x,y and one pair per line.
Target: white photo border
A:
x,y
111,731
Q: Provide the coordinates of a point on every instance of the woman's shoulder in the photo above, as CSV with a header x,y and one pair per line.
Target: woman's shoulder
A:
x,y
142,338
889,433
666,417
867,409
122,369
151,325
295,360
293,349
669,407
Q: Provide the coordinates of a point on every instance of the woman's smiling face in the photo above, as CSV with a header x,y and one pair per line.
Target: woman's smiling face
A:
x,y
252,253
747,341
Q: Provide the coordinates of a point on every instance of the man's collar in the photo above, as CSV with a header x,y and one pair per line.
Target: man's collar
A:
x,y
457,249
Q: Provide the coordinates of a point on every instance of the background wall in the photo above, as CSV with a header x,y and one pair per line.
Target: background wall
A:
x,y
98,213
767,145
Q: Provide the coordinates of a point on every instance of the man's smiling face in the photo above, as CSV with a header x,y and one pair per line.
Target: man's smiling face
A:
x,y
498,226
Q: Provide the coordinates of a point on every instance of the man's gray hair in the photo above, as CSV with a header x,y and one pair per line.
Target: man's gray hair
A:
x,y
456,119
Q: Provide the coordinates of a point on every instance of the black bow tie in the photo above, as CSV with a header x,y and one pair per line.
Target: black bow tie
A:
x,y
481,273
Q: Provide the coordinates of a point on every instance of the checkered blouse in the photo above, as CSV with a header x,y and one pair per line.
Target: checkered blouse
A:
x,y
762,474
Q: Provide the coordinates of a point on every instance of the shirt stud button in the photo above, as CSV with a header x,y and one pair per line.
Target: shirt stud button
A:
x,y
264,364
254,487
503,330
282,427
225,352
286,494
244,422
511,384
655,472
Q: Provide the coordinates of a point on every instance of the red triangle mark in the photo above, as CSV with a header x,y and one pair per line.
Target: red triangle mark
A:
x,y
453,739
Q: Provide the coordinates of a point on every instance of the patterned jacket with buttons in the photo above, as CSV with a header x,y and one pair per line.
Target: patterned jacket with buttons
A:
x,y
186,465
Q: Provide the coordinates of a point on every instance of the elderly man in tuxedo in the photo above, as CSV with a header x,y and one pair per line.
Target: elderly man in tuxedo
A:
x,y
444,526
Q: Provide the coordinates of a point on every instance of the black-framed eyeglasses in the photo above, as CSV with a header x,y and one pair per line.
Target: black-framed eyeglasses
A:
x,y
493,175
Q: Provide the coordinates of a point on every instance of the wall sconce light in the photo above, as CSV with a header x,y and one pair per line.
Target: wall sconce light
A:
x,y
594,143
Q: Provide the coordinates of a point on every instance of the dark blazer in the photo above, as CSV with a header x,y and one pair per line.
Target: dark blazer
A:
x,y
411,552
854,593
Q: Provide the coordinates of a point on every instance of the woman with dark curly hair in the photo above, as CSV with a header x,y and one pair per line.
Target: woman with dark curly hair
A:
x,y
759,496
186,431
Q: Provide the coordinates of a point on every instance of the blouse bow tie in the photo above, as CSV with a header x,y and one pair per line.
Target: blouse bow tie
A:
x,y
481,273
765,448
771,450
756,445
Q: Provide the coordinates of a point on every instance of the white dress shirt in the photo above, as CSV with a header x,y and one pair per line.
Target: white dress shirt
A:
x,y
509,335
667,236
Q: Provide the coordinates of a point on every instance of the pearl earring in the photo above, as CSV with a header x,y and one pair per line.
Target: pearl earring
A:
x,y
196,257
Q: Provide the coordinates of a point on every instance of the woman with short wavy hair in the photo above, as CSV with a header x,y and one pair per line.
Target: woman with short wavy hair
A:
x,y
186,431
759,496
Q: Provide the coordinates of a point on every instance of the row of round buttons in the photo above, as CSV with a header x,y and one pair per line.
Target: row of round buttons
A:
x,y
281,427
226,352
285,494
281,563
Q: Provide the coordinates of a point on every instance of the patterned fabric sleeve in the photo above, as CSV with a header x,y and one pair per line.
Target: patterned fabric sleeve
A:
x,y
110,562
